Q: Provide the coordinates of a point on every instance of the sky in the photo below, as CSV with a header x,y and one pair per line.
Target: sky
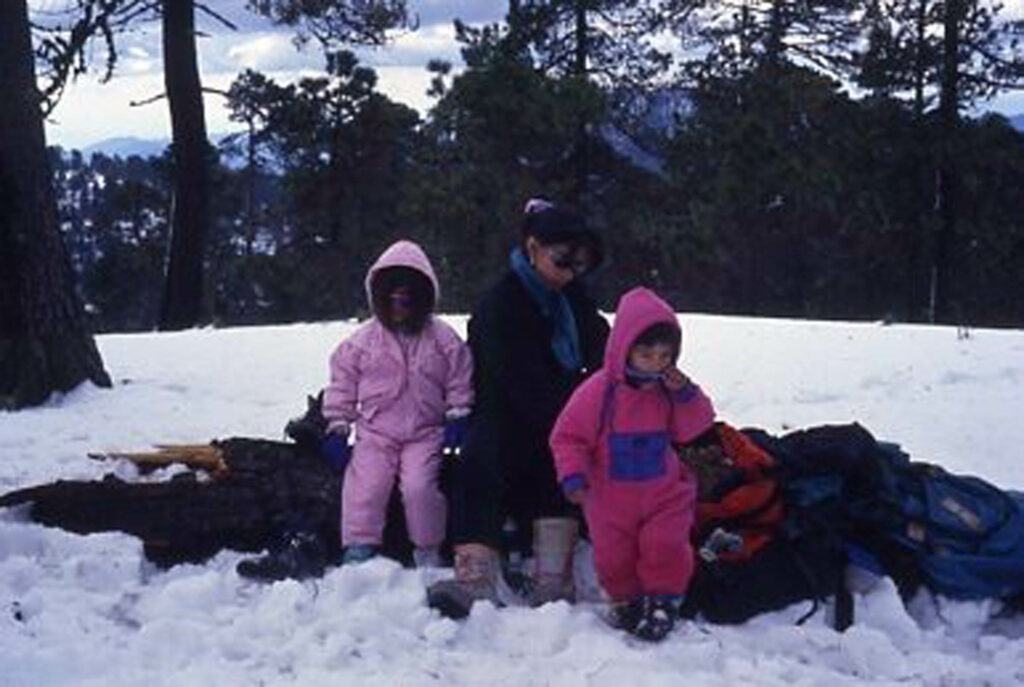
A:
x,y
92,111
91,611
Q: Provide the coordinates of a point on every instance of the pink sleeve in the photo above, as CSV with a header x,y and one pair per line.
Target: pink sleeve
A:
x,y
459,392
693,413
342,393
574,438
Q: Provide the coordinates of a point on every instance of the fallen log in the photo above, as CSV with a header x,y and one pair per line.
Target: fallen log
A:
x,y
256,490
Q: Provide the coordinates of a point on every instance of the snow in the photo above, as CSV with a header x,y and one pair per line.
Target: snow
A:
x,y
89,610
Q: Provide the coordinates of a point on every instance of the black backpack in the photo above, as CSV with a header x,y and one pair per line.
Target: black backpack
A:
x,y
803,560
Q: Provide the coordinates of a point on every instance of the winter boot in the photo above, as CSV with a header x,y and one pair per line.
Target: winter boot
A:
x,y
299,555
554,541
658,616
358,553
426,557
626,615
477,573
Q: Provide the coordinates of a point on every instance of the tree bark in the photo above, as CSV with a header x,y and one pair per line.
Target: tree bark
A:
x,y
580,53
45,345
949,123
181,306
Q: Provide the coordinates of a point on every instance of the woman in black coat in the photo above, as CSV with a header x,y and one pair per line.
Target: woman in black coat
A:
x,y
535,336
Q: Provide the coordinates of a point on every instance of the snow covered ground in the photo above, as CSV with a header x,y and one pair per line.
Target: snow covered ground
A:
x,y
91,611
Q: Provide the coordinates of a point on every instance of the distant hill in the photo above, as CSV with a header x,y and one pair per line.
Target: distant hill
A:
x,y
126,146
1018,122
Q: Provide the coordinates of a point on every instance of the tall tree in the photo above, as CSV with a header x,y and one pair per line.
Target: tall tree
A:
x,y
587,43
181,305
45,345
960,53
359,21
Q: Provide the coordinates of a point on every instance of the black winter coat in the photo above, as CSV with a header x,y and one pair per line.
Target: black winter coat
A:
x,y
506,468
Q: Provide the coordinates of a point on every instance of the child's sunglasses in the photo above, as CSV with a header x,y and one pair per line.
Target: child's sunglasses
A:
x,y
401,299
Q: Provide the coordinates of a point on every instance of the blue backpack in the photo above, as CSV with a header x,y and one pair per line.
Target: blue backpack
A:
x,y
965,535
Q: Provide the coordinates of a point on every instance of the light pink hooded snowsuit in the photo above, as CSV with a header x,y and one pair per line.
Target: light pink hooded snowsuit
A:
x,y
396,390
640,500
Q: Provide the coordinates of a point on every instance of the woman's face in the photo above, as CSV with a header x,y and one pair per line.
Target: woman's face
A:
x,y
556,263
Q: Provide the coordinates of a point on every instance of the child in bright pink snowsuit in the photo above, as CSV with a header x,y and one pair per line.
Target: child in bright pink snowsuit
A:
x,y
613,443
397,383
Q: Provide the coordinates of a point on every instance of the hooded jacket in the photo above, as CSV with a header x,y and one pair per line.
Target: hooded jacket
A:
x,y
612,433
396,385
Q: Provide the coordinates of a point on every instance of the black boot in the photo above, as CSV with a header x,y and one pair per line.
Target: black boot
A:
x,y
626,615
299,555
657,618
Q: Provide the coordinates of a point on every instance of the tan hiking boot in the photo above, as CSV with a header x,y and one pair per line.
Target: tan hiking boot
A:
x,y
477,577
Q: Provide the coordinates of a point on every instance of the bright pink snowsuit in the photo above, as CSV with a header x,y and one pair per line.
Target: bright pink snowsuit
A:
x,y
640,500
395,390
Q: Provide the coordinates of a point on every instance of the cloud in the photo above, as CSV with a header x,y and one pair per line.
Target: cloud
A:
x,y
261,51
415,48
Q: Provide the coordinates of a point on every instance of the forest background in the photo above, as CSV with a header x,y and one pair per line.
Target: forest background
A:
x,y
778,158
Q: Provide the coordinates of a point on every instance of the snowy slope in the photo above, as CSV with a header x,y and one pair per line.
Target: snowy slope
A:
x,y
89,610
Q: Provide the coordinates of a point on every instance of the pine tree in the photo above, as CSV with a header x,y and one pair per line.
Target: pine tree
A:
x,y
45,345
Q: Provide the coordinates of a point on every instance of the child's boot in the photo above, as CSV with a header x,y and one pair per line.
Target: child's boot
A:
x,y
426,557
358,553
626,615
658,616
477,572
554,542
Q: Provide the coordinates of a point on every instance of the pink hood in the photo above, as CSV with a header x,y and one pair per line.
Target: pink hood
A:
x,y
403,253
638,309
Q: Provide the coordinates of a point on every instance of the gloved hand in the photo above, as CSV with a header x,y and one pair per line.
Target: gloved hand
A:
x,y
575,487
336,450
454,435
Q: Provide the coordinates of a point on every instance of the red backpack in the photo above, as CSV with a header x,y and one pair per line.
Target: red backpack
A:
x,y
739,505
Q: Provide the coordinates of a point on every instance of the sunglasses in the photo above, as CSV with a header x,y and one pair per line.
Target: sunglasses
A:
x,y
401,299
565,261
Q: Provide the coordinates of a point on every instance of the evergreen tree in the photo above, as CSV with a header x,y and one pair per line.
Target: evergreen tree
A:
x,y
44,343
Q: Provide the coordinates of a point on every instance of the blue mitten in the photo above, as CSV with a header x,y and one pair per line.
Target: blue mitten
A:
x,y
454,435
336,451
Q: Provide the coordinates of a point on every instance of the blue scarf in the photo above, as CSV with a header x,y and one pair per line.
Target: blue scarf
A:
x,y
636,377
565,341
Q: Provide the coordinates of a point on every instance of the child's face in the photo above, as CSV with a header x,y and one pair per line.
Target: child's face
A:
x,y
651,358
400,304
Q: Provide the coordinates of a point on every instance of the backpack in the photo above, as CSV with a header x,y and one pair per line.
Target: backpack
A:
x,y
963,535
756,554
958,535
737,494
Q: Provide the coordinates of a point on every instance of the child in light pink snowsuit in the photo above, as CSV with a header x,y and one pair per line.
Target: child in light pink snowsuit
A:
x,y
613,448
397,380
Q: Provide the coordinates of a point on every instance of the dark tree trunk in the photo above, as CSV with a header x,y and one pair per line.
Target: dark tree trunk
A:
x,y
949,122
582,167
922,170
45,345
183,289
